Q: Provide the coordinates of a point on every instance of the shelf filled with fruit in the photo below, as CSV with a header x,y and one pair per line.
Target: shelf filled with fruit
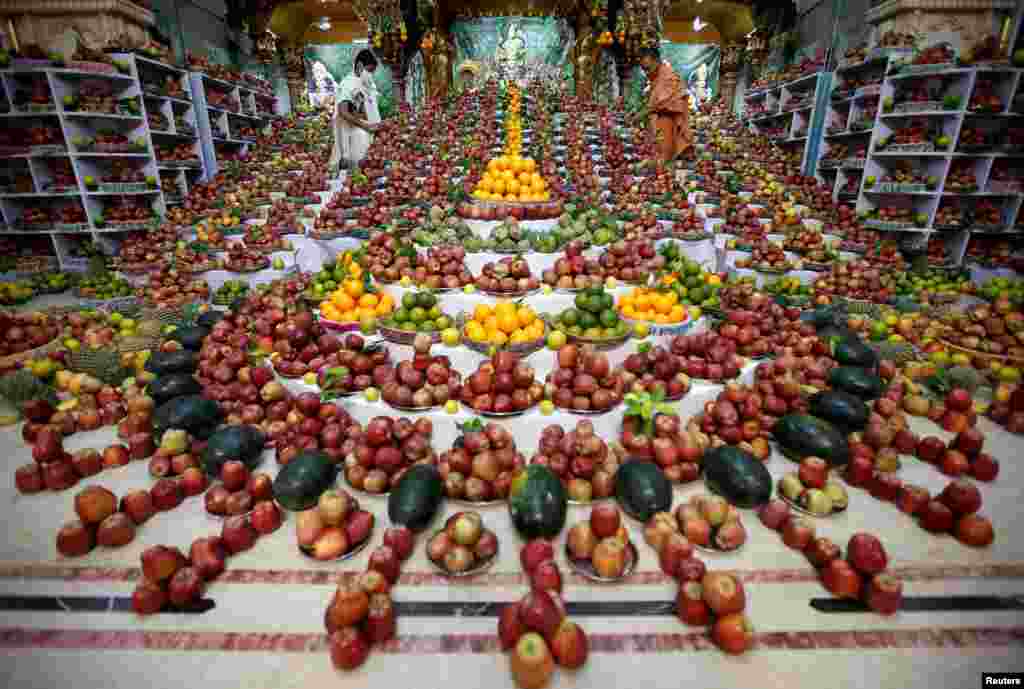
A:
x,y
240,259
987,215
1006,176
904,177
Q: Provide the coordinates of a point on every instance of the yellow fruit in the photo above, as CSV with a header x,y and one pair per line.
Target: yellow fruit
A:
x,y
450,337
481,313
556,339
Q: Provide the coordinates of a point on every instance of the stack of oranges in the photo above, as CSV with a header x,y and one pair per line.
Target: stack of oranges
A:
x,y
512,179
351,302
504,323
655,306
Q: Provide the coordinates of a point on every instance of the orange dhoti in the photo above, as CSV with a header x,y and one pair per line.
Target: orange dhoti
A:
x,y
670,114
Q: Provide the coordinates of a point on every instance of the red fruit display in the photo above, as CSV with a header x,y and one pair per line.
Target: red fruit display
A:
x,y
583,461
384,449
654,369
502,385
480,467
584,381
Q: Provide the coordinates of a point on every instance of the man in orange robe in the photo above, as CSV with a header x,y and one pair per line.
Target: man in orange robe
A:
x,y
668,106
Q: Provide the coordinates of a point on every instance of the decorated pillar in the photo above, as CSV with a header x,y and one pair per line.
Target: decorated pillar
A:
x,y
974,20
294,57
729,67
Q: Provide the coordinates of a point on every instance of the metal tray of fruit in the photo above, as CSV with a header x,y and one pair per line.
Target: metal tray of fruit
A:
x,y
585,568
263,266
769,270
350,553
411,408
918,106
501,414
406,337
801,509
588,412
523,349
694,236
478,568
509,295
363,491
601,344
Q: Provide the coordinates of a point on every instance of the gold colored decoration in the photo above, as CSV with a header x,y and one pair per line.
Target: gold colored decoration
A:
x,y
294,58
437,52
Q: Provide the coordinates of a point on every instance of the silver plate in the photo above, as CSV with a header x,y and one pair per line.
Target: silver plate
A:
x,y
504,414
589,412
586,569
344,477
483,503
412,409
716,551
509,295
472,571
352,552
796,506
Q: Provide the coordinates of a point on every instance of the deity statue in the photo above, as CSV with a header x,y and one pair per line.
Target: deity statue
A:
x,y
586,56
437,62
512,50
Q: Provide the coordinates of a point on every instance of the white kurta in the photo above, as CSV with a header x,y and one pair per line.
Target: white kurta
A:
x,y
350,142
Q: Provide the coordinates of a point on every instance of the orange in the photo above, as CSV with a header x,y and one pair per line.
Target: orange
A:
x,y
498,338
678,313
368,300
513,186
354,288
531,165
508,323
491,323
525,316
481,312
499,186
366,312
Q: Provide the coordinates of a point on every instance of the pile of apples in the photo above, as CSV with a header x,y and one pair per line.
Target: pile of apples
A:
x,y
602,539
510,274
628,261
991,328
860,575
242,259
765,254
677,450
25,330
480,466
745,417
501,385
295,342
348,365
708,356
651,369
854,280
334,526
582,460
717,599
961,179
238,490
442,267
756,332
535,629
810,488
573,271
799,367
584,381
384,450
423,381
463,543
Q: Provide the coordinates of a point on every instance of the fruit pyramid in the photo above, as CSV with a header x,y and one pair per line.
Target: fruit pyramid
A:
x,y
510,178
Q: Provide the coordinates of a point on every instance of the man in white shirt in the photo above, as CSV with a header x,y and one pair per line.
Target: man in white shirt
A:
x,y
356,115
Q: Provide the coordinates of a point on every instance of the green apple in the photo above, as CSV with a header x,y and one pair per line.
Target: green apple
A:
x,y
278,263
181,245
68,100
1018,57
921,219
932,182
951,102
90,181
887,104
151,180
942,141
870,181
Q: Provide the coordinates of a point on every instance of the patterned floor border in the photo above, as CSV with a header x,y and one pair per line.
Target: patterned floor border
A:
x,y
13,638
912,572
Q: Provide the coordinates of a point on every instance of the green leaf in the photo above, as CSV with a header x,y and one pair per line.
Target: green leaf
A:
x,y
472,426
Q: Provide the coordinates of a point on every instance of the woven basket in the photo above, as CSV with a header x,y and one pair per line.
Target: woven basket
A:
x,y
102,364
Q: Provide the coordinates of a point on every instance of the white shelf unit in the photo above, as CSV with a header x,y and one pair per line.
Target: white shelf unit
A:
x,y
180,131
938,116
785,112
849,122
72,172
229,116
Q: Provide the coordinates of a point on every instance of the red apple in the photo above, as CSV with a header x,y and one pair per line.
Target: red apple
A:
x,y
569,645
974,530
510,626
884,594
936,517
690,605
733,633
535,552
160,562
75,539
349,648
94,504
532,664
841,579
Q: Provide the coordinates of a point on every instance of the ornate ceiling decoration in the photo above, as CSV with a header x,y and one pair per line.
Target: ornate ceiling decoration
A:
x,y
290,20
